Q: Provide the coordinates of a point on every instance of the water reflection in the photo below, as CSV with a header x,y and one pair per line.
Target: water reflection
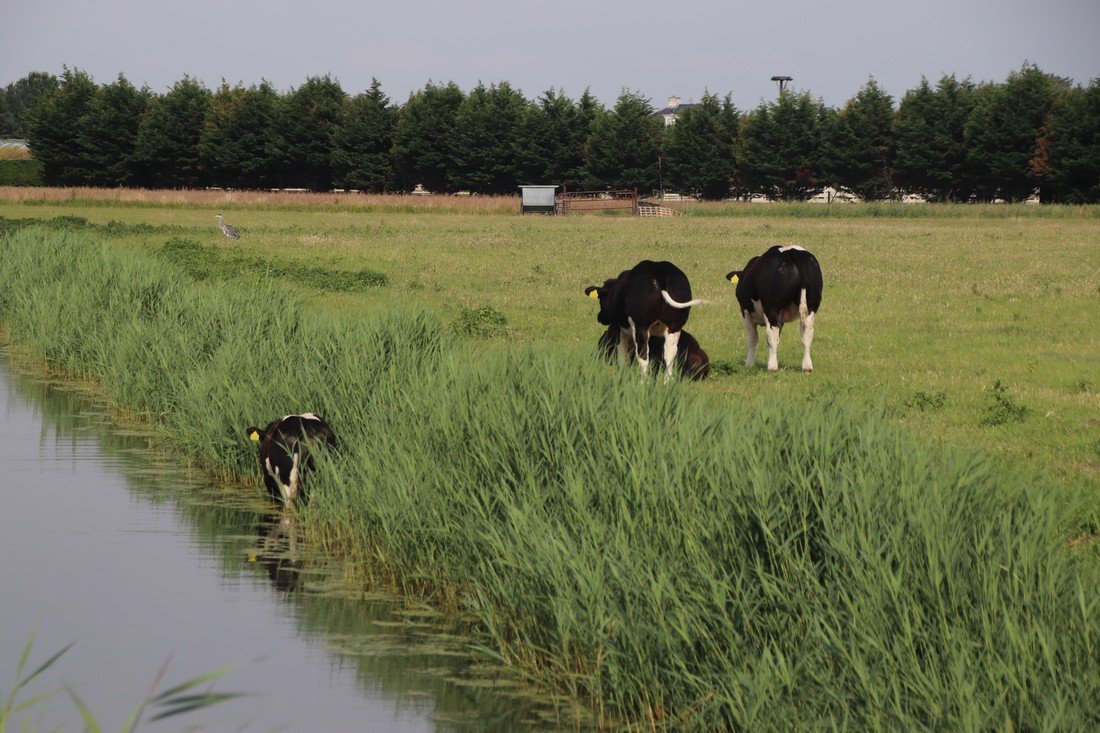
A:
x,y
359,662
278,550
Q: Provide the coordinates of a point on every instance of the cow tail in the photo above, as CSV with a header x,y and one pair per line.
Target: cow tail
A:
x,y
677,304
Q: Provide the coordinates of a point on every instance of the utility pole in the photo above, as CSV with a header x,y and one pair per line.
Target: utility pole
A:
x,y
781,81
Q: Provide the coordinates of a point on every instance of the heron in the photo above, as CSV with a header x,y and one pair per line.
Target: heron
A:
x,y
229,231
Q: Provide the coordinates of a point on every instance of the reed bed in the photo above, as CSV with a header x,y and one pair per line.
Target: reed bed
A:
x,y
273,200
671,559
280,200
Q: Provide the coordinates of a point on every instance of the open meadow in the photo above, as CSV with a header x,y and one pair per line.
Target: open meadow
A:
x,y
904,539
978,325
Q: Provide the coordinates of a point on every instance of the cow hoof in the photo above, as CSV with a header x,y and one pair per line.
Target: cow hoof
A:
x,y
807,371
773,369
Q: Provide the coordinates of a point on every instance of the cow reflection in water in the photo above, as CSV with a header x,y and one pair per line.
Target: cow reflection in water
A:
x,y
277,550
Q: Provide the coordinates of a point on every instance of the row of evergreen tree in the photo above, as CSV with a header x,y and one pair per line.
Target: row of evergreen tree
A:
x,y
949,141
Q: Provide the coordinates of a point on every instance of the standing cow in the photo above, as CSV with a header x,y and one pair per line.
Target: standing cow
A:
x,y
650,299
772,289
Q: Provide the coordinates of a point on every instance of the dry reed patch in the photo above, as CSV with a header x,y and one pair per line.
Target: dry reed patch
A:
x,y
14,153
273,199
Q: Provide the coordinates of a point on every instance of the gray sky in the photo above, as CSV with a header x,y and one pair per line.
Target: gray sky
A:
x,y
680,47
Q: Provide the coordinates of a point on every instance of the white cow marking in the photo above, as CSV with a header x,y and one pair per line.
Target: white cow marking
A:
x,y
789,247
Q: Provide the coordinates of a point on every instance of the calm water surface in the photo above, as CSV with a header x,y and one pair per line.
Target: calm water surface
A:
x,y
107,542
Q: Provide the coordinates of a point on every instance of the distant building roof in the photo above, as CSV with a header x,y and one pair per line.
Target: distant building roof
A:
x,y
673,110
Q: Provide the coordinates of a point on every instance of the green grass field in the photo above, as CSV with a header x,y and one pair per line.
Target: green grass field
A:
x,y
802,559
979,325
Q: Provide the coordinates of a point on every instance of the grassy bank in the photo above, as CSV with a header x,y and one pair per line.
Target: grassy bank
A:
x,y
791,564
945,319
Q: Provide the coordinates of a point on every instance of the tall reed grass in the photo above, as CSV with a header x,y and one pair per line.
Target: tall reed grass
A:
x,y
673,561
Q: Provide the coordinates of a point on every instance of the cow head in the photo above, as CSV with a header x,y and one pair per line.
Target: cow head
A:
x,y
258,434
598,293
602,294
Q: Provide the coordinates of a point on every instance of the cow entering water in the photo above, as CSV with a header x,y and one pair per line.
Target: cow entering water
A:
x,y
774,288
284,452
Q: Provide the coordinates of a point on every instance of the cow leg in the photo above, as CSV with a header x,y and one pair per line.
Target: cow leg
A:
x,y
672,344
623,347
806,322
641,345
773,340
752,336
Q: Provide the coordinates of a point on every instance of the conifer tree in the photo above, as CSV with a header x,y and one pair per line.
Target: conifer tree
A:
x,y
699,149
780,147
858,145
166,149
362,156
487,138
425,137
625,145
1003,130
54,124
108,132
1073,134
238,136
302,145
929,135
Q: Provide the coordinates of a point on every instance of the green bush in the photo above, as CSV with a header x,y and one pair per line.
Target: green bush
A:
x,y
670,558
20,172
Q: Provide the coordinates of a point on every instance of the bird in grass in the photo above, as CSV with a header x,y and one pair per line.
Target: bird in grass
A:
x,y
229,231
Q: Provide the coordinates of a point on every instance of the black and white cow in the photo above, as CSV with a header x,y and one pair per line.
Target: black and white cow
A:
x,y
691,361
772,289
284,450
650,299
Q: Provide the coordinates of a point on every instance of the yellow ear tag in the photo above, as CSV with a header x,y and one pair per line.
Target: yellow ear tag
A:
x,y
254,435
252,556
735,279
595,295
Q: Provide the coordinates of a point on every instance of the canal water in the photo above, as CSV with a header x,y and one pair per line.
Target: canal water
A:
x,y
109,543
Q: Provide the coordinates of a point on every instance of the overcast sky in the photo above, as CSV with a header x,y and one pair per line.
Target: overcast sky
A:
x,y
678,47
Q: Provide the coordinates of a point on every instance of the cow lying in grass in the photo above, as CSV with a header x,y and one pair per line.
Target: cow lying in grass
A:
x,y
772,289
284,452
650,299
691,361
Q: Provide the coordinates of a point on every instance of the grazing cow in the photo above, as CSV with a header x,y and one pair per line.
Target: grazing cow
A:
x,y
650,299
772,289
691,360
284,449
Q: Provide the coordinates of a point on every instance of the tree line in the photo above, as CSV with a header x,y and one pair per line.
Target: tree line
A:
x,y
955,140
